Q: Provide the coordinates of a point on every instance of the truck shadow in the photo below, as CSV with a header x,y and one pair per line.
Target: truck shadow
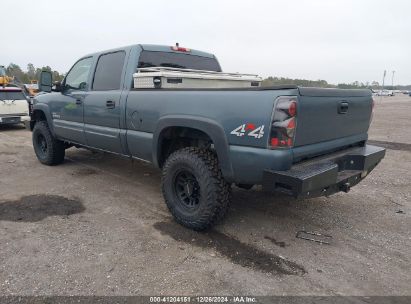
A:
x,y
257,220
263,202
35,208
282,216
237,252
246,205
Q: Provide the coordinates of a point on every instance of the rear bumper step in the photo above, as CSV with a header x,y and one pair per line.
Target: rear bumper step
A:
x,y
326,175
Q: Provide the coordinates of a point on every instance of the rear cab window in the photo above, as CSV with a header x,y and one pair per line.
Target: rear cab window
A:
x,y
108,71
177,60
12,95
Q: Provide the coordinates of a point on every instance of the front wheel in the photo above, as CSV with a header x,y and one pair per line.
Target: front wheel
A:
x,y
49,150
194,188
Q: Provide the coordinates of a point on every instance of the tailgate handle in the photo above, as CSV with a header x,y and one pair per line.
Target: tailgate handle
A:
x,y
343,107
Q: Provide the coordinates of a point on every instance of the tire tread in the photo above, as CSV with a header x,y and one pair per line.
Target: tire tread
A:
x,y
218,190
56,147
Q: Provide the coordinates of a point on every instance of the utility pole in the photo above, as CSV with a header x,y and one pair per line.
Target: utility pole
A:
x,y
383,80
392,80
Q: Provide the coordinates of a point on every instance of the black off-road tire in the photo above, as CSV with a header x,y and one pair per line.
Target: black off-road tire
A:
x,y
213,191
49,150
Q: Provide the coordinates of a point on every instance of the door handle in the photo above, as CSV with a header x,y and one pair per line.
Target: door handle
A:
x,y
110,104
79,101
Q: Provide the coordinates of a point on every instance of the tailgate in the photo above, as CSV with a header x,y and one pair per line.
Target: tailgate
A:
x,y
14,107
328,114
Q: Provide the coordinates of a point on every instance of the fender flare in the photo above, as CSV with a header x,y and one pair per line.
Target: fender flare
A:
x,y
44,108
207,126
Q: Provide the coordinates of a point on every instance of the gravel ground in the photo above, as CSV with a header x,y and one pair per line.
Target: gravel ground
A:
x,y
97,225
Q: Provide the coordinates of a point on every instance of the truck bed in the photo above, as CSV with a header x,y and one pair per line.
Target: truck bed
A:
x,y
320,130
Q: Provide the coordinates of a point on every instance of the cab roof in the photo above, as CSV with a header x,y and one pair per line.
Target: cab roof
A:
x,y
155,48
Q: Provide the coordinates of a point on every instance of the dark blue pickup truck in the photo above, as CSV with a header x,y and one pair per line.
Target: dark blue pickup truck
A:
x,y
304,142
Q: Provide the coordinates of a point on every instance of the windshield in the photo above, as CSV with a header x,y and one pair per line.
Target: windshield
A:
x,y
10,95
177,60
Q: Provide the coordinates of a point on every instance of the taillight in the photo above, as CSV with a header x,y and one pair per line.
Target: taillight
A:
x,y
284,122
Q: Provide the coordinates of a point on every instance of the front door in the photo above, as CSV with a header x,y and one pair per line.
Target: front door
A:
x,y
102,104
67,106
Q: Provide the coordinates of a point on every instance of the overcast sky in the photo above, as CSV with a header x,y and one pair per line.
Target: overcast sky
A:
x,y
335,40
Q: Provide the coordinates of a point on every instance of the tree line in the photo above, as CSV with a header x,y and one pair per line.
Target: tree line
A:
x,y
375,85
31,73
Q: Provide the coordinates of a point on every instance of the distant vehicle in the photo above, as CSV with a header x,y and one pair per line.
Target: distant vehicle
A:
x,y
385,93
32,88
375,92
14,108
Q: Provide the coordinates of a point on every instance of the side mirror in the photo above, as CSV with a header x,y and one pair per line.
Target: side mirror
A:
x,y
45,81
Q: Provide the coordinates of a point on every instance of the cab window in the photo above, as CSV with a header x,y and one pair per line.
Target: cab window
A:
x,y
150,59
78,76
108,71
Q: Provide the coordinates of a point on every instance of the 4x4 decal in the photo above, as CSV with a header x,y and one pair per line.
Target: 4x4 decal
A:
x,y
253,131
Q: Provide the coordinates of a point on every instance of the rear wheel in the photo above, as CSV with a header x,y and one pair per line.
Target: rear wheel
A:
x,y
194,188
49,150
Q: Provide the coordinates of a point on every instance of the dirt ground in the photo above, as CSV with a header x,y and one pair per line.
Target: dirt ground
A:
x,y
97,225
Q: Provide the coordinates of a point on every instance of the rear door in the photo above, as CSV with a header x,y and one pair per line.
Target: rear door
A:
x,y
102,103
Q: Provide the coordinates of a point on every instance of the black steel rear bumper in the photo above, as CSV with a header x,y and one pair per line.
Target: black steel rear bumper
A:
x,y
325,175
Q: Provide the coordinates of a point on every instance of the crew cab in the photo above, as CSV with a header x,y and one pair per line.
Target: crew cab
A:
x,y
14,107
304,142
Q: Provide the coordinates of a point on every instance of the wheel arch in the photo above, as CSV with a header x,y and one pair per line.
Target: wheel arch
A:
x,y
205,125
41,112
